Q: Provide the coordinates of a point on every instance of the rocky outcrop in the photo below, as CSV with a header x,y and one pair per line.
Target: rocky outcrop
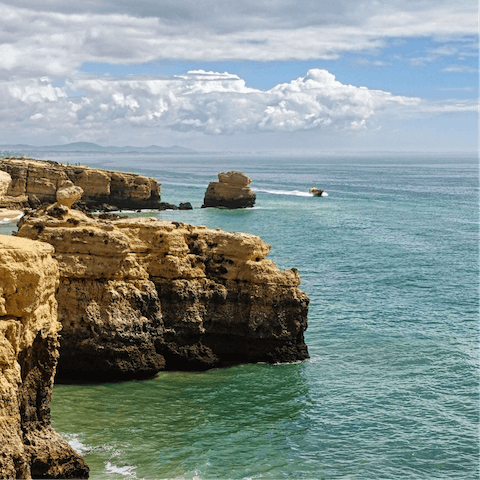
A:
x,y
29,447
140,295
8,209
5,181
35,182
231,191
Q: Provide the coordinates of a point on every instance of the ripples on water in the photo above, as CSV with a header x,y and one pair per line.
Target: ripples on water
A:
x,y
390,262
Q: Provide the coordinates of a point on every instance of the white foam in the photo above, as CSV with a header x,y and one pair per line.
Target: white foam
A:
x,y
125,470
76,443
295,193
11,220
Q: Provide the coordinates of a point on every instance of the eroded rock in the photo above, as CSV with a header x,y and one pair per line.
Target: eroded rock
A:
x,y
29,446
39,181
69,195
139,295
231,191
8,210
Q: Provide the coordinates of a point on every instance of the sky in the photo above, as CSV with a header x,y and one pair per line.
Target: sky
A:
x,y
256,75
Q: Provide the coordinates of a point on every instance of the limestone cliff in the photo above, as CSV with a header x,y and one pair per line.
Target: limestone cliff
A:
x,y
231,191
37,181
29,447
140,295
6,212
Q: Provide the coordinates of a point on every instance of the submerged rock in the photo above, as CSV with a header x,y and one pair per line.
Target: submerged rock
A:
x,y
29,446
140,295
231,191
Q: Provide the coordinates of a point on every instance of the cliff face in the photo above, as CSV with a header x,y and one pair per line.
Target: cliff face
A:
x,y
231,191
29,447
6,212
140,295
36,181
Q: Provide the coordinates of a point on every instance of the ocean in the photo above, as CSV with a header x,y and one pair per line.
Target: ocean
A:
x,y
390,261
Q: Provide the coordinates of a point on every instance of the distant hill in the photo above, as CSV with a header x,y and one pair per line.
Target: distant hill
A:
x,y
87,147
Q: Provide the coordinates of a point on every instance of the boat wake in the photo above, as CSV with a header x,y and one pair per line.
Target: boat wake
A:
x,y
295,193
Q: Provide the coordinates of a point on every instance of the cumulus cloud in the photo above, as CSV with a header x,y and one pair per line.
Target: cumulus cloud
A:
x,y
56,37
208,102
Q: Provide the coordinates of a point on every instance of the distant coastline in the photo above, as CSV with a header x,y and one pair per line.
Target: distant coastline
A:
x,y
88,147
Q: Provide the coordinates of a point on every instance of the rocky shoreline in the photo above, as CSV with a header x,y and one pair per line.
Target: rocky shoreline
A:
x,y
132,297
137,296
29,446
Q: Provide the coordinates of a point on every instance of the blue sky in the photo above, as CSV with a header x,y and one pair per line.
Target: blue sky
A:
x,y
222,75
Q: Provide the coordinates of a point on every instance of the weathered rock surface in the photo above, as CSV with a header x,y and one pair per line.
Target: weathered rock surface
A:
x,y
5,181
69,195
231,191
140,295
37,181
29,447
8,211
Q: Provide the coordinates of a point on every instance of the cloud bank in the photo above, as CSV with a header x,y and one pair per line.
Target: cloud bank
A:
x,y
55,38
208,102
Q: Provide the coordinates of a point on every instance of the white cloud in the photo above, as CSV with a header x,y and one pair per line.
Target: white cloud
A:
x,y
55,38
460,69
207,102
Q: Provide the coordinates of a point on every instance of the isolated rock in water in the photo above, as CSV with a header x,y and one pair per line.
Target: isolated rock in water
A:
x,y
316,192
43,179
29,446
231,191
69,195
185,206
140,295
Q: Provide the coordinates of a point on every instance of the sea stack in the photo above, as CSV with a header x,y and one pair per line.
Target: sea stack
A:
x,y
231,191
29,446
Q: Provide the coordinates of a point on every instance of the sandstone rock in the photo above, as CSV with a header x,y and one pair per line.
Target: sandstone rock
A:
x,y
69,195
140,295
43,178
8,211
234,178
5,181
231,191
29,447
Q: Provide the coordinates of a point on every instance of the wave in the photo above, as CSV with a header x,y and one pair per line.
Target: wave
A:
x,y
125,470
10,219
295,193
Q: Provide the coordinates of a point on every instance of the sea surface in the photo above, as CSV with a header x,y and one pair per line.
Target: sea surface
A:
x,y
390,262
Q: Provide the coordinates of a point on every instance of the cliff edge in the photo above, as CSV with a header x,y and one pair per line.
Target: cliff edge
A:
x,y
140,295
29,446
37,181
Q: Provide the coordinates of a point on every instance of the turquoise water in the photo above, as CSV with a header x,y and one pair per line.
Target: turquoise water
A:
x,y
390,262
